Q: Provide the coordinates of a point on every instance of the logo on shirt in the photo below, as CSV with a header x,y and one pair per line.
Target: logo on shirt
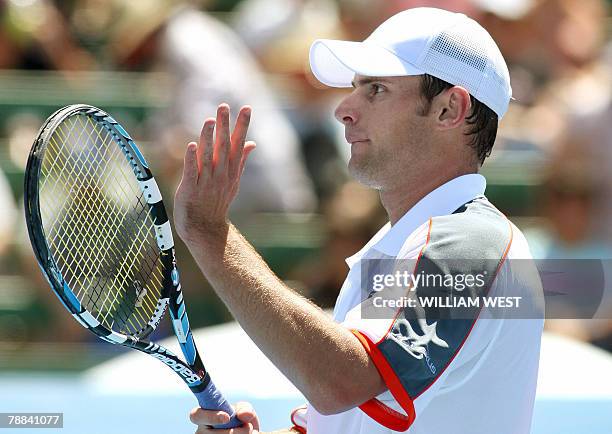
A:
x,y
417,344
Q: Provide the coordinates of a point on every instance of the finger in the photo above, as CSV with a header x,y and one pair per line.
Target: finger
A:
x,y
200,416
203,429
222,139
206,429
248,148
246,429
246,414
242,125
190,165
238,138
206,149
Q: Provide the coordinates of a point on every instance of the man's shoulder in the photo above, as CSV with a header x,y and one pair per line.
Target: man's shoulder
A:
x,y
476,230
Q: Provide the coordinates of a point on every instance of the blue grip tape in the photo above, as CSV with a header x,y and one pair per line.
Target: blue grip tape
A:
x,y
211,399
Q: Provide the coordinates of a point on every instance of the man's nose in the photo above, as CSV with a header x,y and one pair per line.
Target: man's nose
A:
x,y
346,112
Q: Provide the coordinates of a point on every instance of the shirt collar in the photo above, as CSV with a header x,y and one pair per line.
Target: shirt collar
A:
x,y
444,200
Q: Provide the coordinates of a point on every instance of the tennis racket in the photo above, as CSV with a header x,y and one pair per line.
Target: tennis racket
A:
x,y
102,238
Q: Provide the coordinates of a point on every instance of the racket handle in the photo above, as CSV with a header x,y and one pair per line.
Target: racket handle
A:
x,y
211,399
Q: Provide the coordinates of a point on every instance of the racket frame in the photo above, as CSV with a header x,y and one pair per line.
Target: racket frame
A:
x,y
193,372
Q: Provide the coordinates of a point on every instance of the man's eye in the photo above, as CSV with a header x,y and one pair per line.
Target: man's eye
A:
x,y
377,88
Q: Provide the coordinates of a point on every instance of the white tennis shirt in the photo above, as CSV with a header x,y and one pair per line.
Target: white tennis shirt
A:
x,y
462,376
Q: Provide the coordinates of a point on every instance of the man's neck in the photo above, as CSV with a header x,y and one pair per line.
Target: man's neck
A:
x,y
398,201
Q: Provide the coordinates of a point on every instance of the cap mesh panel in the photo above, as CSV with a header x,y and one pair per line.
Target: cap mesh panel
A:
x,y
465,55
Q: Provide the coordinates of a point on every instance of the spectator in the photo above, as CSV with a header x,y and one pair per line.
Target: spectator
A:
x,y
571,190
35,35
8,215
209,64
352,216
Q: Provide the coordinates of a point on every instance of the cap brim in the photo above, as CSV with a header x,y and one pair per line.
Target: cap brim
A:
x,y
335,63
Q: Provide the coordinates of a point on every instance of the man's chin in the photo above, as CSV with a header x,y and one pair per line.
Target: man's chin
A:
x,y
363,174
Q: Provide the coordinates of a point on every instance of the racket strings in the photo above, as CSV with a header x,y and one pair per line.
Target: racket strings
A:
x,y
117,317
147,266
98,226
74,211
74,216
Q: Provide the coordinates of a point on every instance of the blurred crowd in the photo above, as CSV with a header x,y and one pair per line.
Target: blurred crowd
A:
x,y
202,53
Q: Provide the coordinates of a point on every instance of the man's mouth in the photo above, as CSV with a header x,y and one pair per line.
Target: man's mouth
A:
x,y
352,140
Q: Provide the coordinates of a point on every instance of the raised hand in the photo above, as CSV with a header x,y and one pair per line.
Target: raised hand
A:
x,y
211,174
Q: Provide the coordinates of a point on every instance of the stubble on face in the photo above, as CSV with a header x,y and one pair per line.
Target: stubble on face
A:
x,y
365,166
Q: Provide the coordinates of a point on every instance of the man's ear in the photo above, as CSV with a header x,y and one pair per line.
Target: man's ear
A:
x,y
454,106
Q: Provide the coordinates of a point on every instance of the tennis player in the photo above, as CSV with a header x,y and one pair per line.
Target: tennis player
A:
x,y
429,87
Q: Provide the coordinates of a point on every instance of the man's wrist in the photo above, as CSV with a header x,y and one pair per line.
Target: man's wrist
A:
x,y
207,234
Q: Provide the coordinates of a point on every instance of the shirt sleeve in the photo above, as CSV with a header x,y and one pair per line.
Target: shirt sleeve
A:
x,y
298,419
412,346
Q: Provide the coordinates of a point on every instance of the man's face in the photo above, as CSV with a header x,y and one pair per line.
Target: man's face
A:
x,y
388,132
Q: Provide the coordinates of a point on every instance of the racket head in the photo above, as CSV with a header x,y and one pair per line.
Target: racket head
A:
x,y
98,225
102,238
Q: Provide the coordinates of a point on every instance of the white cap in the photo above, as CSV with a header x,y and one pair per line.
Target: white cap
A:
x,y
447,45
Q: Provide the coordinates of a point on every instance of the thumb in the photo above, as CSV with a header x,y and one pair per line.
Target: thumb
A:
x,y
190,165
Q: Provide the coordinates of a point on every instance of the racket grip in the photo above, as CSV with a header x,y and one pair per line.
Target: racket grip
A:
x,y
211,399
